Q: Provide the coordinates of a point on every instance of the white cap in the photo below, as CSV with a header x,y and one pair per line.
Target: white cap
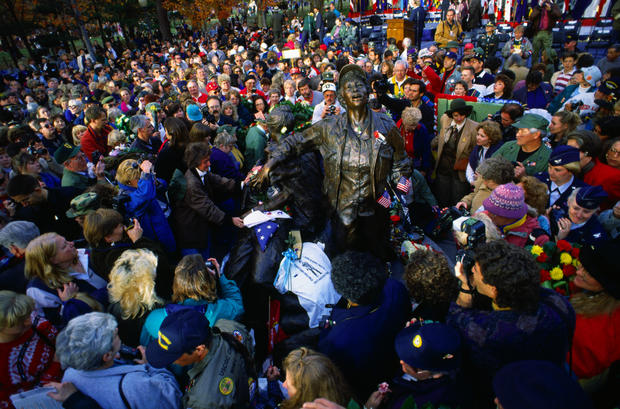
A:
x,y
263,46
425,52
329,86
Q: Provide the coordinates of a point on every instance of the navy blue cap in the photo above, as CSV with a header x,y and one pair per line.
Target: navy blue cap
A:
x,y
609,87
590,197
451,54
538,385
180,332
431,347
563,155
88,99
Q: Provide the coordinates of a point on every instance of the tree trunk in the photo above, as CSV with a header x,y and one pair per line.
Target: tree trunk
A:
x,y
164,23
83,32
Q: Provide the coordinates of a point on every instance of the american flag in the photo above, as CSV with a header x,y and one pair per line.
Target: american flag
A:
x,y
351,59
404,185
264,232
384,200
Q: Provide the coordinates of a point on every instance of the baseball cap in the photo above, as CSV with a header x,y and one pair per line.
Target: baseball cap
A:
x,y
452,55
329,86
82,204
431,347
180,332
469,46
212,86
193,112
65,152
425,52
532,121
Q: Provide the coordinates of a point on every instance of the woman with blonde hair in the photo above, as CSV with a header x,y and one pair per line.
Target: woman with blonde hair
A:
x,y
26,347
77,132
196,286
311,375
132,293
62,283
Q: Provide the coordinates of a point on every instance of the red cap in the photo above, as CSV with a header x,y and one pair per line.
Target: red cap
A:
x,y
295,70
212,86
202,54
469,46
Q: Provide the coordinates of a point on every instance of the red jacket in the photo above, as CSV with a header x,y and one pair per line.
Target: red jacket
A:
x,y
596,343
90,142
520,235
434,81
608,178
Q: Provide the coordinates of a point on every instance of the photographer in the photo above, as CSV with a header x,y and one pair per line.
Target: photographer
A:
x,y
75,168
493,338
330,104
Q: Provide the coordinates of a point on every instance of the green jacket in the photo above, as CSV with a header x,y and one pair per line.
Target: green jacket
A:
x,y
76,180
350,36
255,144
309,23
218,381
536,162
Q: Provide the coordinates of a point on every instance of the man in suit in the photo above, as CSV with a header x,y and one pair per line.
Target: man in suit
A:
x,y
560,177
454,144
276,22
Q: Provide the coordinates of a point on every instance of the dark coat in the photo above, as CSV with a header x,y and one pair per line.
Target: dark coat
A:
x,y
140,146
169,159
361,340
539,98
222,164
562,200
197,213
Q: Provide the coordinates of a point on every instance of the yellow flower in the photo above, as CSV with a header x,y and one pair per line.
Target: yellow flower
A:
x,y
537,250
576,263
556,273
565,258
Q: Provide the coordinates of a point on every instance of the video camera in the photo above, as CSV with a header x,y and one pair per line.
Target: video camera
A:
x,y
476,235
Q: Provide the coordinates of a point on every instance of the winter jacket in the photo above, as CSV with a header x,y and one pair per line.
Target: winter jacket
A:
x,y
142,385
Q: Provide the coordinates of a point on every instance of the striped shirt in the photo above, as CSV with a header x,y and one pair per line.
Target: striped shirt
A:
x,y
562,81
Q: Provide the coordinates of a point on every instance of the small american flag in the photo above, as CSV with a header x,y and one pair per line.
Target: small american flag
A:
x,y
404,185
384,199
351,59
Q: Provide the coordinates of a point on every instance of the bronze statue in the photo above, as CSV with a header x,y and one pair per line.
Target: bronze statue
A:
x,y
362,150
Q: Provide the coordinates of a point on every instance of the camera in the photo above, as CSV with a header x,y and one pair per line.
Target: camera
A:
x,y
209,264
554,217
118,203
331,109
381,86
37,152
445,220
476,235
208,116
129,354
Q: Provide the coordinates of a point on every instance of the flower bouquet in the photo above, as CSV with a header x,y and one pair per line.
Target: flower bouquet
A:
x,y
558,264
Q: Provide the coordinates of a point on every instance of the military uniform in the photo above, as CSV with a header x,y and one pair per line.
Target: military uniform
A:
x,y
489,44
218,381
564,190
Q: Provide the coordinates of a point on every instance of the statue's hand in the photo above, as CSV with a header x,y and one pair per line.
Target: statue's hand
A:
x,y
262,178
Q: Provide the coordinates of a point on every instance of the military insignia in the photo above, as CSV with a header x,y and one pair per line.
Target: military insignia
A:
x,y
226,386
237,334
417,341
163,342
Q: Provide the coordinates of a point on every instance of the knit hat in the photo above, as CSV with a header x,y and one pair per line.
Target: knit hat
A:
x,y
506,201
591,74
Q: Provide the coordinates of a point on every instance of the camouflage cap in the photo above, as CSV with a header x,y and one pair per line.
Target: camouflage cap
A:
x,y
83,204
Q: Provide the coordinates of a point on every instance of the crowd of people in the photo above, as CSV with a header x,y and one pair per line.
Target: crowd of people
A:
x,y
133,274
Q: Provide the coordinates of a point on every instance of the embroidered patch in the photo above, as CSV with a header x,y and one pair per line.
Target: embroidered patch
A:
x,y
417,341
236,333
226,386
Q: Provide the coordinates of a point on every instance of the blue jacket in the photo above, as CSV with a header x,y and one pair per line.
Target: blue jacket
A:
x,y
143,205
361,340
474,155
143,386
222,164
229,305
539,98
591,233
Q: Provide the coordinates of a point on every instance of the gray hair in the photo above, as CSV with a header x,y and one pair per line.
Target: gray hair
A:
x,y
411,116
497,169
401,62
85,340
224,138
138,122
18,234
114,113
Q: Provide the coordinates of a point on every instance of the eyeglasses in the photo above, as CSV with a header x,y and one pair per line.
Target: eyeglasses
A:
x,y
47,126
613,152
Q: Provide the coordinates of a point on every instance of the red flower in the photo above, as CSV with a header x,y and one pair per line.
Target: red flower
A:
x,y
575,252
544,276
561,290
569,270
573,288
395,218
542,258
563,245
